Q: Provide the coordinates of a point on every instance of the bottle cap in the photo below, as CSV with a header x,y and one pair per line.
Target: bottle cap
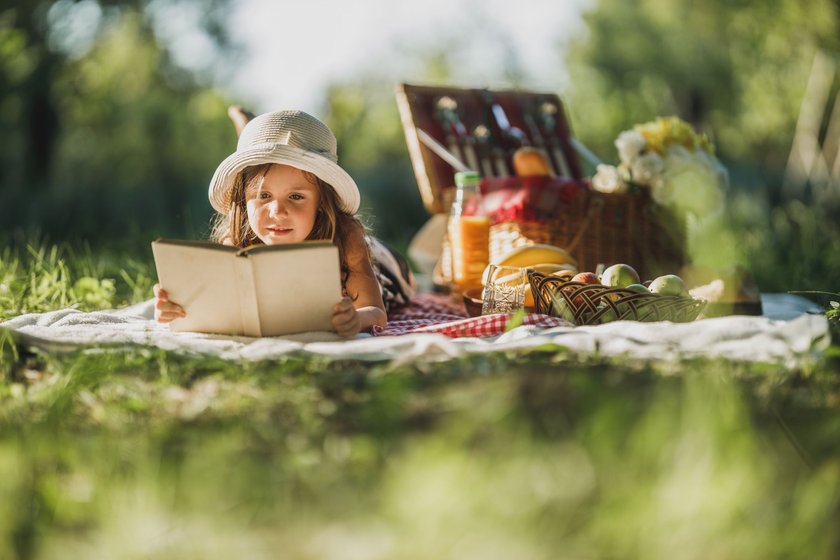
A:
x,y
467,178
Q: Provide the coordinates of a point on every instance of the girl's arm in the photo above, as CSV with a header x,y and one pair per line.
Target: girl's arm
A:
x,y
364,308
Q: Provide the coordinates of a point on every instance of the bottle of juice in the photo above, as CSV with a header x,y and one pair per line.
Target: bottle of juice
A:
x,y
469,234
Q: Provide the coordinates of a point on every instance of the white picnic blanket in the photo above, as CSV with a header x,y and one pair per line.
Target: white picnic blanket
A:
x,y
787,334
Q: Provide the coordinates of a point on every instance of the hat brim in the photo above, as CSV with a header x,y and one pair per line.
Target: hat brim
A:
x,y
324,168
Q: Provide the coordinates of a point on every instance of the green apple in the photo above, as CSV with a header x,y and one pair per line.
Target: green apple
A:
x,y
608,315
668,285
561,309
639,288
619,276
626,308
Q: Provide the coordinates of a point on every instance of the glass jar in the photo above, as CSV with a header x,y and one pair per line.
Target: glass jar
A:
x,y
469,234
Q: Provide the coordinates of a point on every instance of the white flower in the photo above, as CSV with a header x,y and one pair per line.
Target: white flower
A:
x,y
608,180
647,168
678,152
630,144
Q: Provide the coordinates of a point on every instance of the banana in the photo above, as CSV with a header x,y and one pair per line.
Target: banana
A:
x,y
537,254
544,268
529,296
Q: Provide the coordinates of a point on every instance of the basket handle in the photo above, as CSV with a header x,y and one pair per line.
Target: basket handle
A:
x,y
596,204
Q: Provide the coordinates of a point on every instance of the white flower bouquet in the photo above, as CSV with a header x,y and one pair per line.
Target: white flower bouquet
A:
x,y
676,163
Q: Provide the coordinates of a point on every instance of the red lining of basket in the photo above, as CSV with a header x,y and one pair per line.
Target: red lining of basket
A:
x,y
527,199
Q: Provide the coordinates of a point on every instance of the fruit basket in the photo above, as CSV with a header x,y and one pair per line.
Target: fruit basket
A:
x,y
593,304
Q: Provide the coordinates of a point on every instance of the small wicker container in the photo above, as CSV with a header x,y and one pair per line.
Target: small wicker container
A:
x,y
593,304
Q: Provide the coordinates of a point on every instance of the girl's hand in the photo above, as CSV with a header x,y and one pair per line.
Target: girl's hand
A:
x,y
345,318
165,310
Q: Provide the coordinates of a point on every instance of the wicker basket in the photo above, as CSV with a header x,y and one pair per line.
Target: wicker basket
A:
x,y
562,210
598,228
593,304
595,228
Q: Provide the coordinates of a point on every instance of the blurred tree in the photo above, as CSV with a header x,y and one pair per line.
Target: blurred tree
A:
x,y
371,141
46,34
96,107
140,141
737,69
25,35
371,146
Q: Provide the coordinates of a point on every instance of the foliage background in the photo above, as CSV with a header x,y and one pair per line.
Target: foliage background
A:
x,y
107,143
108,140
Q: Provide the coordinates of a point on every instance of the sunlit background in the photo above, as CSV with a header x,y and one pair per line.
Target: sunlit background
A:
x,y
114,111
294,52
112,121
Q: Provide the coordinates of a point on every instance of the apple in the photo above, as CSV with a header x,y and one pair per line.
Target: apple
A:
x,y
608,314
668,285
561,309
619,276
625,307
639,288
583,278
621,307
586,278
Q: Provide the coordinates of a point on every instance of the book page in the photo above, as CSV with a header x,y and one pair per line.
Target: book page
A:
x,y
296,288
257,291
201,278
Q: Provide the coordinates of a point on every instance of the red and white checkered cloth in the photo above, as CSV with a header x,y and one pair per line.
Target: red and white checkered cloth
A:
x,y
434,313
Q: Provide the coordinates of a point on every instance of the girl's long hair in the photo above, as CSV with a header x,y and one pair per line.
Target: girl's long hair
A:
x,y
331,222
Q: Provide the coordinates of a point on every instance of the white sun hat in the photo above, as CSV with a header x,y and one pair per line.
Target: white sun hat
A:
x,y
293,138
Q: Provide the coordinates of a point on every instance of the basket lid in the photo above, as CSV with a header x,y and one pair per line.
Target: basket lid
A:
x,y
480,129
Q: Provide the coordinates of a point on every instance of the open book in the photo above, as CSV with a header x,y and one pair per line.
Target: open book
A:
x,y
265,290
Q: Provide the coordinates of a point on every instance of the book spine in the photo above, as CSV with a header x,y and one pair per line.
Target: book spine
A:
x,y
247,296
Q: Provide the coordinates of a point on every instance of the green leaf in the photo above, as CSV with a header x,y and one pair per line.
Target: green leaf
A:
x,y
516,319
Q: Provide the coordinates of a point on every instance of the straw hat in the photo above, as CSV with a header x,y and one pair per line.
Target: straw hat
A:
x,y
290,137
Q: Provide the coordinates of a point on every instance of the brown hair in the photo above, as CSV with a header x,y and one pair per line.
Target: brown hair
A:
x,y
331,222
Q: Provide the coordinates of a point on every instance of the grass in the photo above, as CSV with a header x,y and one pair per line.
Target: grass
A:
x,y
36,276
144,454
141,453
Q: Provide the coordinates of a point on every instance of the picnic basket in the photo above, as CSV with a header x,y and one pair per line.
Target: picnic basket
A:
x,y
483,128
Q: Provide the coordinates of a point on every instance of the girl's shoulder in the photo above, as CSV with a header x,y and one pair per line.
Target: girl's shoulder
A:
x,y
356,245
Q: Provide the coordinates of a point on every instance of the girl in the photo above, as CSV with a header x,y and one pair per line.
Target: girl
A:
x,y
283,185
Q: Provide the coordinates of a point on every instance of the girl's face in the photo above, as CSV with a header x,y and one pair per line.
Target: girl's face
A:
x,y
282,209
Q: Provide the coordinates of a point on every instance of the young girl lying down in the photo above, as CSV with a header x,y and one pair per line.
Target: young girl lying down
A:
x,y
283,185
